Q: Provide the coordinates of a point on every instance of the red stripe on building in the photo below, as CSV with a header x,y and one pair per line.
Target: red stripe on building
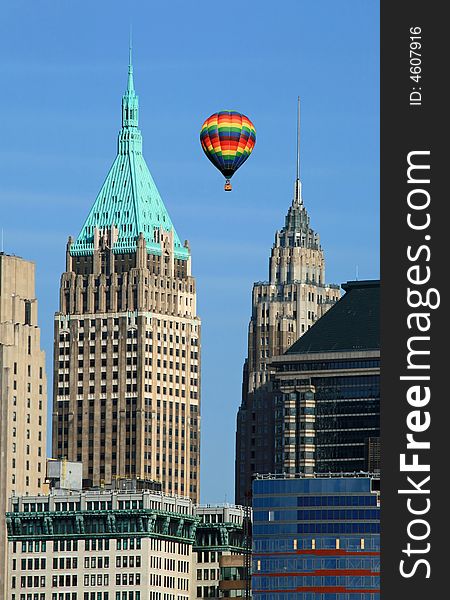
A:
x,y
323,572
320,590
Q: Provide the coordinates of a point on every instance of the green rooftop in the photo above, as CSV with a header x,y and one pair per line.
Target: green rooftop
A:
x,y
129,198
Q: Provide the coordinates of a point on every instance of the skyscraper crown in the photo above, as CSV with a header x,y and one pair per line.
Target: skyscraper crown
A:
x,y
129,199
297,231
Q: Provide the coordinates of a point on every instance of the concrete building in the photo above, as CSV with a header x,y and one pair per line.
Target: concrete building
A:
x,y
327,390
222,552
283,309
100,545
23,390
119,545
126,398
316,537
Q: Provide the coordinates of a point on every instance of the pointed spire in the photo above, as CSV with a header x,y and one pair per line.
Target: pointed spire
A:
x,y
129,205
130,86
298,185
130,103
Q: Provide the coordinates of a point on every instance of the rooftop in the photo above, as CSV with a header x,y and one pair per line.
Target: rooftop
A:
x,y
129,200
353,323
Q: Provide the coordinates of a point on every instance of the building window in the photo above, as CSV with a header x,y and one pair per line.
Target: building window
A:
x,y
27,312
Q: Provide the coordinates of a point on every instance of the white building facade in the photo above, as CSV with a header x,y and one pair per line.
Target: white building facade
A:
x,y
116,545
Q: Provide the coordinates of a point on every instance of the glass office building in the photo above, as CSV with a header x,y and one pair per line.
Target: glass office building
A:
x,y
327,390
316,538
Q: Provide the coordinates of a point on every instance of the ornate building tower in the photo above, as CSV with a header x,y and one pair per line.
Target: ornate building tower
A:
x,y
127,336
283,308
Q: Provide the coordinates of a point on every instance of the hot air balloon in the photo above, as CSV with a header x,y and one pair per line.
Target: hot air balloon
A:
x,y
227,139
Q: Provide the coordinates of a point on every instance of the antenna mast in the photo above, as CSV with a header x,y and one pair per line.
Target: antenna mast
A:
x,y
298,138
298,185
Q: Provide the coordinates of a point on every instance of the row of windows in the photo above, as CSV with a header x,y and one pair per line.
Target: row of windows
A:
x,y
28,390
28,434
29,546
28,581
27,464
128,561
104,323
97,580
318,515
298,564
14,403
128,544
131,333
207,591
170,547
37,597
129,579
30,564
351,543
342,500
126,596
69,562
65,391
330,365
28,370
96,562
27,418
206,574
64,580
304,528
130,375
206,557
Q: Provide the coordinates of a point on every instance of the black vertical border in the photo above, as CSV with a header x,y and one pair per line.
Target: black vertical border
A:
x,y
406,128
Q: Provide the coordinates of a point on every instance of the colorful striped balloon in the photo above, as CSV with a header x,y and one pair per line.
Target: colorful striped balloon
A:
x,y
227,139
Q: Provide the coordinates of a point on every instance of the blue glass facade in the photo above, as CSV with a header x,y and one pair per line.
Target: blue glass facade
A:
x,y
316,539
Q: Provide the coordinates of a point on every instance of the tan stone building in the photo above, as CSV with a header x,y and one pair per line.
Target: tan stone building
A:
x,y
127,335
23,391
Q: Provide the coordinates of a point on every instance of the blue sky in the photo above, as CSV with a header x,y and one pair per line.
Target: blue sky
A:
x,y
63,70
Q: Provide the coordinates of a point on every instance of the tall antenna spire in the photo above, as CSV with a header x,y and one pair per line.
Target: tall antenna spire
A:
x,y
130,87
298,185
130,49
130,103
298,137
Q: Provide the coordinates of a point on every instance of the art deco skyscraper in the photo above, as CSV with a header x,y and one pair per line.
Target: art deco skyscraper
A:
x,y
283,308
127,336
23,390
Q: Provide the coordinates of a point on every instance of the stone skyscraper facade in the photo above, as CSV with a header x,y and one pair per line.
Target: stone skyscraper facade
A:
x,y
127,334
283,308
23,390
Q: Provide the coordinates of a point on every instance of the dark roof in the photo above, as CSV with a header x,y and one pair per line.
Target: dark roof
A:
x,y
353,323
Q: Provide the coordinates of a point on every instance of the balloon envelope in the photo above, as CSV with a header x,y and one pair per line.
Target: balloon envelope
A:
x,y
228,138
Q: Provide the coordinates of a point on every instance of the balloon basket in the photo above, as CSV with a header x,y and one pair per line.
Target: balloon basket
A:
x,y
227,187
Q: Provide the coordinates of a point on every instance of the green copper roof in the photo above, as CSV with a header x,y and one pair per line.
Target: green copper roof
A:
x,y
129,198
